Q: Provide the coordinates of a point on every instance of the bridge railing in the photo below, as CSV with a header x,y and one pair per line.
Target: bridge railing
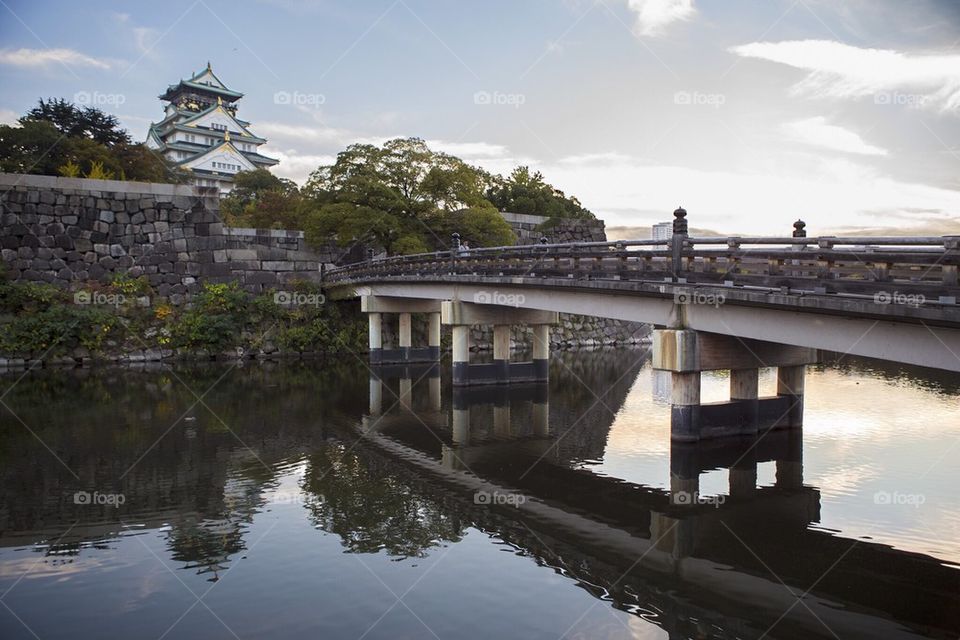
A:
x,y
922,268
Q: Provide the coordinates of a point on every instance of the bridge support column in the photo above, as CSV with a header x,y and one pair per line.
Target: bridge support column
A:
x,y
686,353
541,351
501,352
461,354
376,306
433,335
462,315
405,335
376,337
745,390
790,383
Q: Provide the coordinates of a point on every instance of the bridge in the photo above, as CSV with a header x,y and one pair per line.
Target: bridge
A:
x,y
718,303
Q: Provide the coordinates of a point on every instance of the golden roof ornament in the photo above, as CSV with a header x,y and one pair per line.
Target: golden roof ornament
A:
x,y
226,136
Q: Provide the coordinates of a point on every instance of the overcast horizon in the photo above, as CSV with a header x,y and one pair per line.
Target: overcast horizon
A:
x,y
749,114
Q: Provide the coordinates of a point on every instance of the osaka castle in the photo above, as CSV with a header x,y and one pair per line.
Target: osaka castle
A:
x,y
200,132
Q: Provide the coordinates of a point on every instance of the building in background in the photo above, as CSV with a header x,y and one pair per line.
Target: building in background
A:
x,y
200,132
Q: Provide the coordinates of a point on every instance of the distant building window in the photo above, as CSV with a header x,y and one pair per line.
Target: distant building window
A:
x,y
218,126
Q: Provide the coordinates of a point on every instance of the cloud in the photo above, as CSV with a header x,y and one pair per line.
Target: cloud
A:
x,y
653,16
838,70
43,57
8,117
816,132
469,149
301,133
295,165
833,192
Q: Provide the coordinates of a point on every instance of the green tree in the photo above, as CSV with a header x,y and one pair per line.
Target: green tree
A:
x,y
529,193
58,134
263,200
77,122
403,197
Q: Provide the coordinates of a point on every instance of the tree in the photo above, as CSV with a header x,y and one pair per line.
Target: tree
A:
x,y
403,197
57,135
73,121
263,200
529,193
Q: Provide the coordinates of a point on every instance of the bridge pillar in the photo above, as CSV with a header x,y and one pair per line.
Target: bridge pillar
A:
x,y
405,334
462,315
686,353
790,385
376,336
433,335
376,306
744,389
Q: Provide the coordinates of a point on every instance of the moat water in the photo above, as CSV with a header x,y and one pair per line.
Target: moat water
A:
x,y
304,499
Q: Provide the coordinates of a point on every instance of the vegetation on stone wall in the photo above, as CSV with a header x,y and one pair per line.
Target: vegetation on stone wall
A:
x,y
97,321
59,138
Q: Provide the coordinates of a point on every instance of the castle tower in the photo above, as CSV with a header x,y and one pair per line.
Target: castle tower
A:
x,y
200,132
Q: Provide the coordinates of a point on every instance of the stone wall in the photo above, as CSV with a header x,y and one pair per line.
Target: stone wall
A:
x,y
530,229
67,230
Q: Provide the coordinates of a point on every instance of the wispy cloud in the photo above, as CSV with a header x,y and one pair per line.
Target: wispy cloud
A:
x,y
44,57
654,16
838,70
817,132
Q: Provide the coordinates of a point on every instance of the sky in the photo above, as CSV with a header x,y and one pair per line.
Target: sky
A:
x,y
748,113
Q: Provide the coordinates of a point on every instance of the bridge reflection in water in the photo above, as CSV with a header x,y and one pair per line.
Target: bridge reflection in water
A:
x,y
396,464
751,558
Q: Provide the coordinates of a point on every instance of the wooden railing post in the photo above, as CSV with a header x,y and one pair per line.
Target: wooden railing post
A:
x,y
680,234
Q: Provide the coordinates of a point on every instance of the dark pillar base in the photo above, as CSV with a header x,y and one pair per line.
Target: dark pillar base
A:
x,y
404,355
500,372
691,423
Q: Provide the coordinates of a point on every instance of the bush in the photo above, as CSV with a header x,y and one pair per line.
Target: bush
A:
x,y
57,330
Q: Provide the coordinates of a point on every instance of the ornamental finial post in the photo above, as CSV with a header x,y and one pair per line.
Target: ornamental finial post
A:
x,y
799,229
680,221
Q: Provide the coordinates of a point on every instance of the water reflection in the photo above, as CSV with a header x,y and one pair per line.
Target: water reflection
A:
x,y
390,465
